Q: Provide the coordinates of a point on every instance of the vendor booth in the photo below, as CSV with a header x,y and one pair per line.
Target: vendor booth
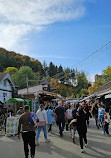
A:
x,y
12,121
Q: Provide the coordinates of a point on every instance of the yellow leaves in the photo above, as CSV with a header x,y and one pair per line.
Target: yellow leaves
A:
x,y
90,90
96,85
11,70
37,73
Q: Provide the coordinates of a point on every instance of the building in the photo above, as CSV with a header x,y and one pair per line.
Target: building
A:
x,y
103,93
97,77
8,89
37,94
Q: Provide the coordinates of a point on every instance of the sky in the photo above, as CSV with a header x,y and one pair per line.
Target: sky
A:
x,y
62,31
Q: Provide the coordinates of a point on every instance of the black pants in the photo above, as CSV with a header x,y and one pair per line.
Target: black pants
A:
x,y
87,121
81,137
61,125
67,124
50,128
29,139
107,129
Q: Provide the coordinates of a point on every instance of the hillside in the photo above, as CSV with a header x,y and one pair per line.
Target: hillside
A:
x,y
12,59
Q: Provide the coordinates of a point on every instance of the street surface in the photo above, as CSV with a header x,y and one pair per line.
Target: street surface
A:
x,y
99,146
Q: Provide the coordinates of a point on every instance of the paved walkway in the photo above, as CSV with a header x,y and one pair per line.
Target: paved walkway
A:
x,y
99,146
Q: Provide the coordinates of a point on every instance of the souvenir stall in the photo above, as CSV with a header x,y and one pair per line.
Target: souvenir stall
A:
x,y
12,121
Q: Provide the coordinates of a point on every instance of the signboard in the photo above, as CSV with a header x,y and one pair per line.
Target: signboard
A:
x,y
12,125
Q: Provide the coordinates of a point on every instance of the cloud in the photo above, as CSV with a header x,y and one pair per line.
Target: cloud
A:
x,y
19,17
51,56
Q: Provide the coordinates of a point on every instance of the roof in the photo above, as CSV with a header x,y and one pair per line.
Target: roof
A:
x,y
30,90
52,94
106,88
15,100
44,82
2,75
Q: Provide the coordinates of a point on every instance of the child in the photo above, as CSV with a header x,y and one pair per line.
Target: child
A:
x,y
106,124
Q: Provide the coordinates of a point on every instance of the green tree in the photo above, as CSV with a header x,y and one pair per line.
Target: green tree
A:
x,y
83,93
106,75
82,82
21,75
52,69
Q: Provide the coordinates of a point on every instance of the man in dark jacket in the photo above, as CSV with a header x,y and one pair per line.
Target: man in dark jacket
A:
x,y
59,117
28,132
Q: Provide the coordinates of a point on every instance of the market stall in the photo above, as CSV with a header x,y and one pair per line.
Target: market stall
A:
x,y
12,121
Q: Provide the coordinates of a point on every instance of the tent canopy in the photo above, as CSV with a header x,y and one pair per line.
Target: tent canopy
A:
x,y
15,100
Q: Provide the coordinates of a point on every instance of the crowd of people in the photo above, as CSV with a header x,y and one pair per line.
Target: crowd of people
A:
x,y
73,118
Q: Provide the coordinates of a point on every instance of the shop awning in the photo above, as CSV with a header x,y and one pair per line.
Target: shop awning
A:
x,y
15,100
107,96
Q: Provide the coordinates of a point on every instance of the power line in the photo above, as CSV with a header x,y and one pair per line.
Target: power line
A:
x,y
95,59
93,52
86,57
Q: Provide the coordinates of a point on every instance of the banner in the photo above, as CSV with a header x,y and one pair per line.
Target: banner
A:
x,y
12,125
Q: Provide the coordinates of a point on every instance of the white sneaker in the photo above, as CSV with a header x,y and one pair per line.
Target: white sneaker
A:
x,y
47,140
86,145
36,143
103,133
82,150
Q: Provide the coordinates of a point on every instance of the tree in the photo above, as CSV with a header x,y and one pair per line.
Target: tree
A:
x,y
82,82
52,69
20,76
11,70
106,75
45,68
83,93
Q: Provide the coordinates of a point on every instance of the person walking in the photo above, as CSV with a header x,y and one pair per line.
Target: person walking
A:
x,y
59,117
74,116
101,113
41,123
86,109
28,132
95,113
68,116
50,117
106,125
81,127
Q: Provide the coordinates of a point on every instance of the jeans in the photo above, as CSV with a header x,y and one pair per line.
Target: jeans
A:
x,y
29,138
101,119
39,130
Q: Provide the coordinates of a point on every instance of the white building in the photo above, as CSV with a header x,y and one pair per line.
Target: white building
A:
x,y
7,87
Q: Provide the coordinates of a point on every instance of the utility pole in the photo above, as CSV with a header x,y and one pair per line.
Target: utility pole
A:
x,y
27,84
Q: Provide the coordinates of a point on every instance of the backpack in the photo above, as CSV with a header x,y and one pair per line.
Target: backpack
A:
x,y
69,114
33,118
